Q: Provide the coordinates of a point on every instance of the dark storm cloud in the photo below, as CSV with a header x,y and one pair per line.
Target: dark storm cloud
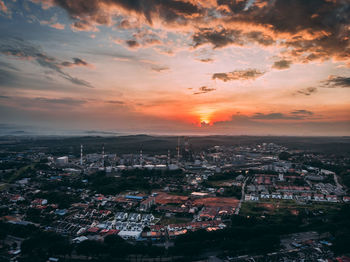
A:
x,y
248,74
307,91
327,22
282,64
17,47
337,81
168,10
312,29
204,90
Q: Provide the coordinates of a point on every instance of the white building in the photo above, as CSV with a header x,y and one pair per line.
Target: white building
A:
x,y
125,234
63,160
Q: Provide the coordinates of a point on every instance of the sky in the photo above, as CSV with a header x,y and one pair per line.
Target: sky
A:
x,y
199,67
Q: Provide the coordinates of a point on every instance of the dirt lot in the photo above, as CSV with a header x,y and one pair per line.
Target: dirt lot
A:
x,y
217,202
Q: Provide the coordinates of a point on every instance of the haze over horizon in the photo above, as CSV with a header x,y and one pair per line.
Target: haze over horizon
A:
x,y
204,67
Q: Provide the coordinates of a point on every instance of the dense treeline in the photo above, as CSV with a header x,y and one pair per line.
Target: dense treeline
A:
x,y
161,144
137,179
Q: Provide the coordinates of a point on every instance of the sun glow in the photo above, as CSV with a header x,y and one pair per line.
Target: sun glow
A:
x,y
205,116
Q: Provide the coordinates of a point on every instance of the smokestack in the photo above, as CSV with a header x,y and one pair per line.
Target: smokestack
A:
x,y
81,155
141,157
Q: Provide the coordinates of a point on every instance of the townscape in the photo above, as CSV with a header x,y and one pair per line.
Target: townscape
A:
x,y
160,205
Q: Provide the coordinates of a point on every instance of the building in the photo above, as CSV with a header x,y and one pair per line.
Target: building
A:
x,y
126,234
121,216
332,198
319,197
134,217
63,160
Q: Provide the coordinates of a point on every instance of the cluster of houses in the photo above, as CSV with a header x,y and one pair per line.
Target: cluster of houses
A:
x,y
158,232
300,197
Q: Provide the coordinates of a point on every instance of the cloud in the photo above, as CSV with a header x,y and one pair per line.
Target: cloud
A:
x,y
53,23
60,101
3,7
302,112
248,74
21,49
206,60
99,11
295,115
57,26
116,102
83,25
132,43
76,62
221,37
243,124
310,30
218,38
282,64
204,90
337,81
307,91
7,77
159,68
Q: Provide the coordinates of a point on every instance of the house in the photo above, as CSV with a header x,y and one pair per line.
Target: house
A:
x,y
254,197
288,196
134,217
208,213
265,195
332,198
346,199
247,197
79,239
147,218
306,196
276,196
121,216
319,197
251,197
16,198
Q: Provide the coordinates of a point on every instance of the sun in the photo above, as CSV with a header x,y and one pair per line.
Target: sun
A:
x,y
204,116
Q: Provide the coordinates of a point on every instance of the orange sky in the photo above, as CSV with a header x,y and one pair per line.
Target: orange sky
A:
x,y
184,66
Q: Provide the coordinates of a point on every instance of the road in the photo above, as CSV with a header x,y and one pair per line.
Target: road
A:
x,y
339,186
242,197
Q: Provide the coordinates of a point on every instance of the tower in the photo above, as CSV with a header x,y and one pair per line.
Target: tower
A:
x,y
103,155
81,155
178,150
141,157
168,157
